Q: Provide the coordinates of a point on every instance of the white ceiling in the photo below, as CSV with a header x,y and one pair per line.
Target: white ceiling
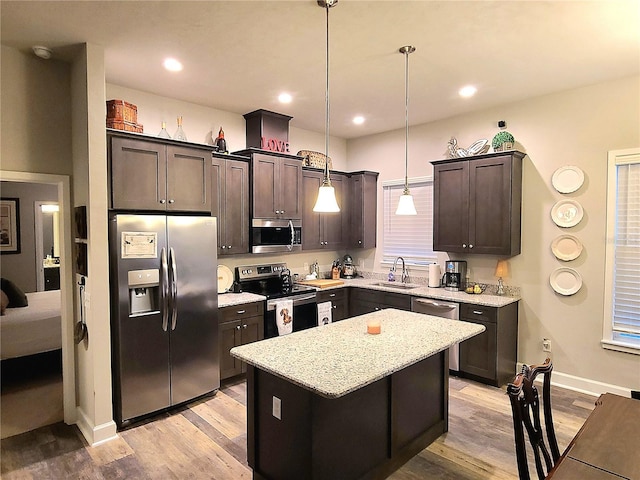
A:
x,y
239,55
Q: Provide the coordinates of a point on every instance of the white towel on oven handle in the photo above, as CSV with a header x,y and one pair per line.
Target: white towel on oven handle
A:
x,y
324,313
284,317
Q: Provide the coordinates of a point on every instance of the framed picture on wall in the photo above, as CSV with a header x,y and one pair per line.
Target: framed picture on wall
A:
x,y
9,225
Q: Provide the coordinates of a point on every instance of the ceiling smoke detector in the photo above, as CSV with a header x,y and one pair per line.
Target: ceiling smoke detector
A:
x,y
42,52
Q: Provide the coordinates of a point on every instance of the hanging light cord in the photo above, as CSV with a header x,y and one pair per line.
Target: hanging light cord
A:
x,y
326,181
407,51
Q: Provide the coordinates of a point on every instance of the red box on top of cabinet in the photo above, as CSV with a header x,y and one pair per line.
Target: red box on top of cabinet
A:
x,y
122,111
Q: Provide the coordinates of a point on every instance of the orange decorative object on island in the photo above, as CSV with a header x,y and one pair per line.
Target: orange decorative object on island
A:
x,y
373,327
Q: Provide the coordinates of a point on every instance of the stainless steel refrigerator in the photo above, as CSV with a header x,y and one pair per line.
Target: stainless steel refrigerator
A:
x,y
164,307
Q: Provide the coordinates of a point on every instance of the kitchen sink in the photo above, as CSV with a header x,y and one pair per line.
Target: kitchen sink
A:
x,y
398,285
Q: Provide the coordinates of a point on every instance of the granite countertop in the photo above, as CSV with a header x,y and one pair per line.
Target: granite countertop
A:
x,y
336,359
229,299
427,292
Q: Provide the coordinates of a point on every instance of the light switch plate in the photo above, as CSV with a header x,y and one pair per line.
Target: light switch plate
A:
x,y
277,408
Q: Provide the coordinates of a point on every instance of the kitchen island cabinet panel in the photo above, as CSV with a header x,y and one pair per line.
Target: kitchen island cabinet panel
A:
x,y
335,403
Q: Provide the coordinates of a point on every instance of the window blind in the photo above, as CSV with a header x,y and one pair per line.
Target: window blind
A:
x,y
408,236
626,264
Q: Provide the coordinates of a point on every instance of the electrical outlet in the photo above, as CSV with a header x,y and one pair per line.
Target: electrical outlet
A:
x,y
546,345
277,408
305,265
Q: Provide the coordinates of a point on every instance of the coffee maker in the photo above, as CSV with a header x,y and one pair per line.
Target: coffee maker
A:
x,y
348,270
455,273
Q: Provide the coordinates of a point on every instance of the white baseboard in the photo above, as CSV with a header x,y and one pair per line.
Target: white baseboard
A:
x,y
583,385
95,434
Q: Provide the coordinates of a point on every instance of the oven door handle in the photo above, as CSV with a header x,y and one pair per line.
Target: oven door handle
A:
x,y
297,300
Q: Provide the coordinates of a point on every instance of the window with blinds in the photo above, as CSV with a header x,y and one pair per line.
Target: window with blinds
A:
x,y
408,236
622,324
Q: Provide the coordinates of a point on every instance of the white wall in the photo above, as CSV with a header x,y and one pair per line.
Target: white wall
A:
x,y
21,268
576,127
200,123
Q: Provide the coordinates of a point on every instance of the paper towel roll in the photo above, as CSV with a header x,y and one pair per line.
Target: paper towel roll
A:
x,y
434,275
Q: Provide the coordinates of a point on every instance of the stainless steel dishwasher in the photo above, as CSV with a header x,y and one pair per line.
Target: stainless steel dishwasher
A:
x,y
438,308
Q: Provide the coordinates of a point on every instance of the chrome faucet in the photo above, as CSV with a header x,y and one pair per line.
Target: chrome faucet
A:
x,y
405,274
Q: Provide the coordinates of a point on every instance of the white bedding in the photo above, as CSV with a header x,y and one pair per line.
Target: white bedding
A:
x,y
32,329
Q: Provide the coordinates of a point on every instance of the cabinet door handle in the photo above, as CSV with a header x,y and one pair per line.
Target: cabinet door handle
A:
x,y
359,242
470,246
464,245
223,247
477,312
244,326
282,211
240,312
377,308
238,327
162,201
229,246
335,306
332,295
172,200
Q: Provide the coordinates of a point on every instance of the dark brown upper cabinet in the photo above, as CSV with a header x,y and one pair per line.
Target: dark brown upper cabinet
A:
x,y
277,184
363,200
477,204
324,230
230,202
158,175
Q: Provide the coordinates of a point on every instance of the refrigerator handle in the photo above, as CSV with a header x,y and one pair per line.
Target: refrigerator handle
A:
x,y
174,288
164,270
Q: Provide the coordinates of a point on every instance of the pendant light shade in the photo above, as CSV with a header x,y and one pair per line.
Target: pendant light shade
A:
x,y
326,202
406,205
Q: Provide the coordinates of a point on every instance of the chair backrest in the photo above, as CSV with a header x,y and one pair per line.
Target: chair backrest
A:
x,y
525,405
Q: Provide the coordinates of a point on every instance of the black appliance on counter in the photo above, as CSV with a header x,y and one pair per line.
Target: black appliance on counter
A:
x,y
274,282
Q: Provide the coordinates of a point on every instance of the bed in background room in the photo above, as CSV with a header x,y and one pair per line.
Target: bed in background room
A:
x,y
35,328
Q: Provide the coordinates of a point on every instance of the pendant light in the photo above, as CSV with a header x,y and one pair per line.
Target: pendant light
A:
x,y
405,204
326,202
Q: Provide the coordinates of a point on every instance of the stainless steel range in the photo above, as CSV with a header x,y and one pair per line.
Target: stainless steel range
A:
x,y
274,282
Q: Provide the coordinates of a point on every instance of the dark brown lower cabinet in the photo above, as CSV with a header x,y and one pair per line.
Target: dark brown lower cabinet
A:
x,y
362,300
490,357
239,325
339,299
366,434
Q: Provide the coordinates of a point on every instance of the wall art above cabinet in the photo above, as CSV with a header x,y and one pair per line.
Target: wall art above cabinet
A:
x,y
150,174
477,204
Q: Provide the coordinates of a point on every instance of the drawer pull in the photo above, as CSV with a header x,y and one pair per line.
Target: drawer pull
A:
x,y
332,295
478,312
240,312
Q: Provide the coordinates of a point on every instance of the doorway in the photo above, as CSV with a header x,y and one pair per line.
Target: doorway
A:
x,y
62,183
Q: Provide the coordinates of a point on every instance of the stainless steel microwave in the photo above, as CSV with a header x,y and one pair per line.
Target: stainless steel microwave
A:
x,y
271,236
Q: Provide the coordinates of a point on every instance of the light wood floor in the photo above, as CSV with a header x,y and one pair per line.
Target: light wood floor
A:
x,y
207,439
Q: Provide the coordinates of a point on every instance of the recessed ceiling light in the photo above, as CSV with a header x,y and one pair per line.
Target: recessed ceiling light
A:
x,y
42,52
468,91
285,98
172,65
358,120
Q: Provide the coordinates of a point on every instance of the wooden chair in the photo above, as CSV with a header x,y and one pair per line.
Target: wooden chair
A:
x,y
525,405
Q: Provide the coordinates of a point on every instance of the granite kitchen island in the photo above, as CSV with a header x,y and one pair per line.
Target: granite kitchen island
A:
x,y
335,402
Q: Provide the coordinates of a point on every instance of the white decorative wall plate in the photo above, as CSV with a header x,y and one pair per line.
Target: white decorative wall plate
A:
x,y
567,179
567,213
